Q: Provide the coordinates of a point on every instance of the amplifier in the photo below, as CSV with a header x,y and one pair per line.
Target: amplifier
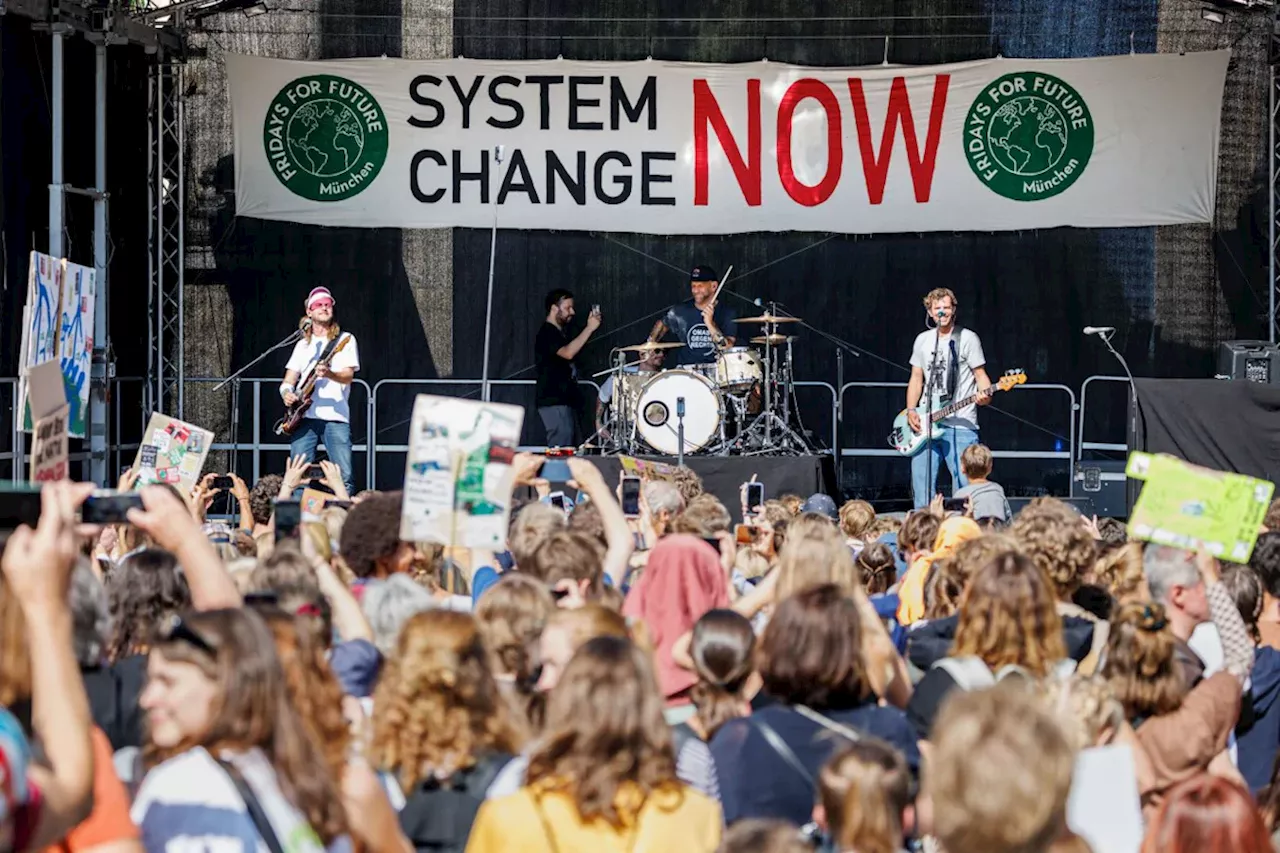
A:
x,y
1256,361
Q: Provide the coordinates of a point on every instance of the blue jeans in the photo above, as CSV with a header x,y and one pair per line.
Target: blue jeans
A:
x,y
336,436
924,465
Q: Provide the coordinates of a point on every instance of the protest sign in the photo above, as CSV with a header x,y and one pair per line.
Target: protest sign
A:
x,y
1191,507
172,452
51,412
458,477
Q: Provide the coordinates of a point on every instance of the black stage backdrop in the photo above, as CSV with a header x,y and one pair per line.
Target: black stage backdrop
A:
x,y
1224,425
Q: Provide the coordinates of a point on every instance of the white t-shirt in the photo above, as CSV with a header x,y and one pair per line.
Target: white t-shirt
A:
x,y
969,349
330,403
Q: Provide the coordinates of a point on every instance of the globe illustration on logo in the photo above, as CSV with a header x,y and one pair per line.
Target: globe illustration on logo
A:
x,y
325,137
1028,136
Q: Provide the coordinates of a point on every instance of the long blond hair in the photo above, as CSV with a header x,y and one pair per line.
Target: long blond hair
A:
x,y
334,329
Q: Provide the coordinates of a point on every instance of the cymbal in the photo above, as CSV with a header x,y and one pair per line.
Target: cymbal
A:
x,y
773,340
650,346
768,318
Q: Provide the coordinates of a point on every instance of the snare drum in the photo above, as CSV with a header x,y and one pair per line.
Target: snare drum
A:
x,y
738,368
707,370
655,415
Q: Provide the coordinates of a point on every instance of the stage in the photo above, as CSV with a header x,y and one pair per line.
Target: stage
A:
x,y
723,476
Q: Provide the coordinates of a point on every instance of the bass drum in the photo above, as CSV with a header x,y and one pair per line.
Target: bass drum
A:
x,y
656,420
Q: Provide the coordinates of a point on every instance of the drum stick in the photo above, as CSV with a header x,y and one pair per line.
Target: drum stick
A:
x,y
723,281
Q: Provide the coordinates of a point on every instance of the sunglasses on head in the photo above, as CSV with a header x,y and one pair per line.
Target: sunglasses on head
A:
x,y
176,630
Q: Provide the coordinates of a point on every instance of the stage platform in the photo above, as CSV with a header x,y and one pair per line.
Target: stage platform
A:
x,y
723,476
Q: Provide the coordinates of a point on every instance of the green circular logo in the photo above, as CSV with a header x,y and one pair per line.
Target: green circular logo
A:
x,y
1028,136
325,137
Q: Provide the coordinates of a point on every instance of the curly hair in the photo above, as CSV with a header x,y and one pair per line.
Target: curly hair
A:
x,y
143,591
1119,571
1139,663
707,510
688,482
1008,616
1053,536
262,498
585,519
511,616
722,649
950,576
371,532
313,689
253,709
605,730
1086,708
1245,588
437,706
856,517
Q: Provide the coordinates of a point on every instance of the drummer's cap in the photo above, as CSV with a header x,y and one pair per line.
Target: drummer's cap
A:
x,y
702,272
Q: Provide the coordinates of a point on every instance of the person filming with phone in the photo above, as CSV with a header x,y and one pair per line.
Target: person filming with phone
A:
x,y
557,396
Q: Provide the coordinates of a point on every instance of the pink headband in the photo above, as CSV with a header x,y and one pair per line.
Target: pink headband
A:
x,y
317,294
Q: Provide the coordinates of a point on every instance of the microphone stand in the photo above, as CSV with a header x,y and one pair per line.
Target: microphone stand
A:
x,y
927,425
1130,487
234,381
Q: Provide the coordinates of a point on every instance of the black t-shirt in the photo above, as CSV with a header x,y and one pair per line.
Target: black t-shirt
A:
x,y
687,326
557,377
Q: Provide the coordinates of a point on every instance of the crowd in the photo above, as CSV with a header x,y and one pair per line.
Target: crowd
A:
x,y
819,677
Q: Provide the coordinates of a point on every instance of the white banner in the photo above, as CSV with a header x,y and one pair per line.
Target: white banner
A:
x,y
682,148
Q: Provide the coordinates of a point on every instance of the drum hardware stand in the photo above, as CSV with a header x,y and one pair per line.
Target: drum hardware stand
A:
x,y
680,430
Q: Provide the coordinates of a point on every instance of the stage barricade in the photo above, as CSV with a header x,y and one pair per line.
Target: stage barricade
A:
x,y
870,433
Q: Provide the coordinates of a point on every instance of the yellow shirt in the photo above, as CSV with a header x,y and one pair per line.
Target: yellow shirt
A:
x,y
685,820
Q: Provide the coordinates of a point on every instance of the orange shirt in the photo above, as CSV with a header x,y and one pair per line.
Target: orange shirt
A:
x,y
109,821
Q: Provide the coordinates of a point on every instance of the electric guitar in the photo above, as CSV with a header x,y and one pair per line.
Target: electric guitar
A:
x,y
294,414
908,442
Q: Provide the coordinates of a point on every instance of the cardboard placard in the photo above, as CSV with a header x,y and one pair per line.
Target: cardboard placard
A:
x,y
49,408
172,452
458,477
1187,506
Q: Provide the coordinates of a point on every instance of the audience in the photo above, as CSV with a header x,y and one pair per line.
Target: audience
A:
x,y
782,689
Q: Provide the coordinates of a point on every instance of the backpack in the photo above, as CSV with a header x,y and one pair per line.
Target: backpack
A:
x,y
970,673
438,813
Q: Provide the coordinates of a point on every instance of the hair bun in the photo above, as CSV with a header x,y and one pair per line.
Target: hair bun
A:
x,y
1152,618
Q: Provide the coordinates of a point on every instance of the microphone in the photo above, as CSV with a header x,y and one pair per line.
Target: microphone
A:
x,y
306,325
757,302
1099,330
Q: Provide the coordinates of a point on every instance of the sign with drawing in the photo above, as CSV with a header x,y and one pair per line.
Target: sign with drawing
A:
x,y
58,325
172,452
50,410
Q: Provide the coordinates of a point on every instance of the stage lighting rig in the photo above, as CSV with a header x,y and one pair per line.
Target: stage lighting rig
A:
x,y
159,12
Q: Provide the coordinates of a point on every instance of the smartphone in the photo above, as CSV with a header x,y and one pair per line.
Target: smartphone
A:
x,y
109,507
19,506
557,501
631,496
755,496
746,534
288,518
314,472
223,482
555,470
955,504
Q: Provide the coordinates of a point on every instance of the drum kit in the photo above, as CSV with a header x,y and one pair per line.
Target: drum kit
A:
x,y
741,404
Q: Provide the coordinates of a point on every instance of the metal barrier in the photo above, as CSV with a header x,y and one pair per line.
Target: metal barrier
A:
x,y
1097,445
255,445
1068,454
835,412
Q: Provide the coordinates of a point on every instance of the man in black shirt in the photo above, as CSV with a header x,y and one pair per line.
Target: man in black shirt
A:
x,y
557,395
699,323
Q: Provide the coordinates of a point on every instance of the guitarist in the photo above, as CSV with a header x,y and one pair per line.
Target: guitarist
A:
x,y
946,361
329,418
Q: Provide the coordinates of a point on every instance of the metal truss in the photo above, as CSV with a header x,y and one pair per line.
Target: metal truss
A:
x,y
1274,173
166,192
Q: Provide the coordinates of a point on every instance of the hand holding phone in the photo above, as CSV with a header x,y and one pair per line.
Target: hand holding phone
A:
x,y
288,519
755,497
109,507
630,496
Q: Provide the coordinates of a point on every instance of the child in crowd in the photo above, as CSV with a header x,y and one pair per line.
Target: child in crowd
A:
x,y
986,499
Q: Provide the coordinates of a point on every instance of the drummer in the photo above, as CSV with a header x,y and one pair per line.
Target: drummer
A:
x,y
649,362
699,323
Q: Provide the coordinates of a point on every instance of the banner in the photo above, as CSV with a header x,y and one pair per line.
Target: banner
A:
x,y
683,148
49,407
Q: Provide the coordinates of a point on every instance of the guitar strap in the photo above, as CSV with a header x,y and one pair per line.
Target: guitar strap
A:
x,y
324,353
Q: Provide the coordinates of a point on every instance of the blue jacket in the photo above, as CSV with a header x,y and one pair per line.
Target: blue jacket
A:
x,y
1258,736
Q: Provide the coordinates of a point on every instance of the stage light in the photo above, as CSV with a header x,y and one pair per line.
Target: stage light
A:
x,y
256,9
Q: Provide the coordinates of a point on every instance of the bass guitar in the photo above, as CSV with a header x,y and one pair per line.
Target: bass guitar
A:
x,y
908,442
294,414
